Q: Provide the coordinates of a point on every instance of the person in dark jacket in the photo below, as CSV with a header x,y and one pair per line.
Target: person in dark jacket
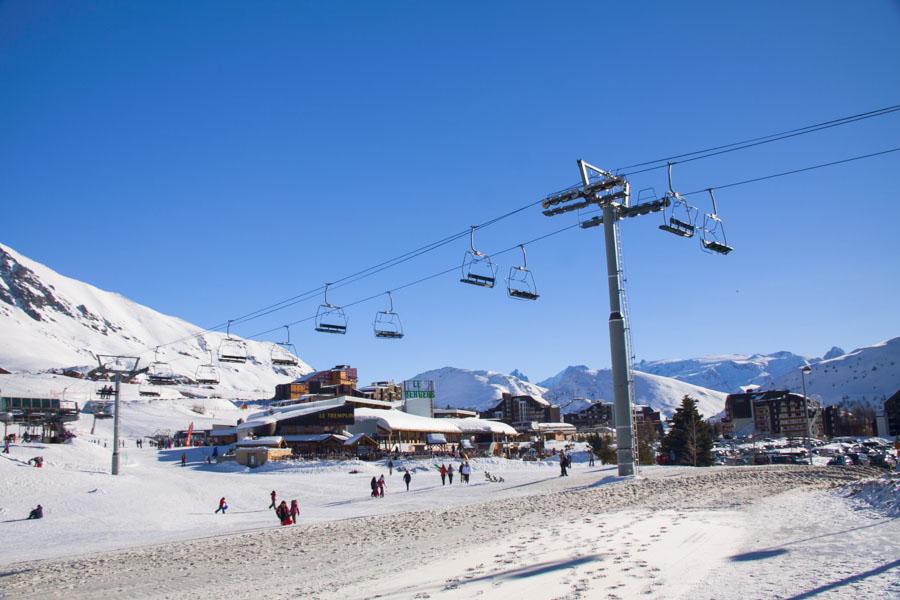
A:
x,y
183,459
37,512
374,485
283,513
563,464
407,478
273,496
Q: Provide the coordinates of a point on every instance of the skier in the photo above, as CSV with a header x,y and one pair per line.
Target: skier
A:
x,y
6,446
450,473
590,458
563,464
381,485
37,512
390,467
222,506
183,459
407,478
443,474
38,461
295,511
274,503
374,485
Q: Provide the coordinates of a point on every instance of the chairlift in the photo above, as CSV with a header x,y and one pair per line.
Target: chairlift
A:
x,y
712,236
679,217
330,318
387,322
207,374
477,268
160,372
284,353
520,281
232,350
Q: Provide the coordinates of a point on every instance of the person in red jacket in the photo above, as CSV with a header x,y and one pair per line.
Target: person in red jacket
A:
x,y
284,513
183,459
274,503
222,506
295,511
443,474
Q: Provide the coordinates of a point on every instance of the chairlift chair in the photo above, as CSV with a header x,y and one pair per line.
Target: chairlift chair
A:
x,y
477,268
207,374
330,318
387,323
284,353
160,372
679,217
232,350
712,235
520,281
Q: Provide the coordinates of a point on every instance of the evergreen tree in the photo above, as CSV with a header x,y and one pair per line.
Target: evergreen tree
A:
x,y
689,441
603,448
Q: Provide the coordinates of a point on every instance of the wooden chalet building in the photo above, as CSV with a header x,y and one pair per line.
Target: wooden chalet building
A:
x,y
339,381
593,417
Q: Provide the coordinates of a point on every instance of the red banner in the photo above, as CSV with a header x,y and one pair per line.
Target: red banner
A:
x,y
190,432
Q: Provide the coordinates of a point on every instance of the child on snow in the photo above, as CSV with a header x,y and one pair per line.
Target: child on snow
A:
x,y
381,485
37,512
295,511
222,506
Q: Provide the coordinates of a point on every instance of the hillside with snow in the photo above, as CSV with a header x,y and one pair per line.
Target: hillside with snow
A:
x,y
865,375
476,390
573,387
727,373
52,322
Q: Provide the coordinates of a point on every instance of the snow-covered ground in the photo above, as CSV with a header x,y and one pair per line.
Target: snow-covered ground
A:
x,y
152,529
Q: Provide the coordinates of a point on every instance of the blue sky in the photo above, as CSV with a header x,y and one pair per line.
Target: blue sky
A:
x,y
209,158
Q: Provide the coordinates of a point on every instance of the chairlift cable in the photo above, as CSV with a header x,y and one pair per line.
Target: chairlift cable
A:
x,y
695,155
773,137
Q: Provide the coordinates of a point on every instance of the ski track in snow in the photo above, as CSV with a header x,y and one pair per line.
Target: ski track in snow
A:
x,y
757,532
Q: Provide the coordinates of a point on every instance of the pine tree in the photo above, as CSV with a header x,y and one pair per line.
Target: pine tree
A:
x,y
602,446
689,441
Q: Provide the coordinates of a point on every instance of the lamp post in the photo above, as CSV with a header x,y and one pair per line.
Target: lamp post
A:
x,y
804,370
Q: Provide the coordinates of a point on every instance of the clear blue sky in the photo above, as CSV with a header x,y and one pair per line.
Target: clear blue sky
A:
x,y
208,158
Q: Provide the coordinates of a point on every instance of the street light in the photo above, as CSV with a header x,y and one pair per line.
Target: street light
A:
x,y
804,370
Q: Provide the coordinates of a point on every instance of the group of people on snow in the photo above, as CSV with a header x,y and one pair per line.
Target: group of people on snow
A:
x,y
447,471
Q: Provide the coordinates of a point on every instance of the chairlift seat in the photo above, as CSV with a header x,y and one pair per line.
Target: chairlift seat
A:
x,y
479,280
396,335
678,228
232,358
287,362
717,247
523,294
331,328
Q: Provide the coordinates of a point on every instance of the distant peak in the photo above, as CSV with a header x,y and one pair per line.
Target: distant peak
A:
x,y
519,375
834,353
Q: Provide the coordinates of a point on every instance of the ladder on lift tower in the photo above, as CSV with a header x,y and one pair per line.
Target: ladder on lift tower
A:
x,y
629,345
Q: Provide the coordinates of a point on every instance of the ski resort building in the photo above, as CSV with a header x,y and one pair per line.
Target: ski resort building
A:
x,y
776,413
521,411
598,415
396,430
47,414
892,414
338,381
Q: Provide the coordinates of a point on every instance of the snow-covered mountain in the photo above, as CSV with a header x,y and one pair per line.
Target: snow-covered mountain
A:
x,y
729,372
476,390
662,393
49,321
866,375
480,390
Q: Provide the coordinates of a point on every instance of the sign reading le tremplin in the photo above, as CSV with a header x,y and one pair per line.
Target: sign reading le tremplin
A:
x,y
418,388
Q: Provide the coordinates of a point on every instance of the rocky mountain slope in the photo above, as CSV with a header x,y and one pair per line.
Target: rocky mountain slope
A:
x,y
49,321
